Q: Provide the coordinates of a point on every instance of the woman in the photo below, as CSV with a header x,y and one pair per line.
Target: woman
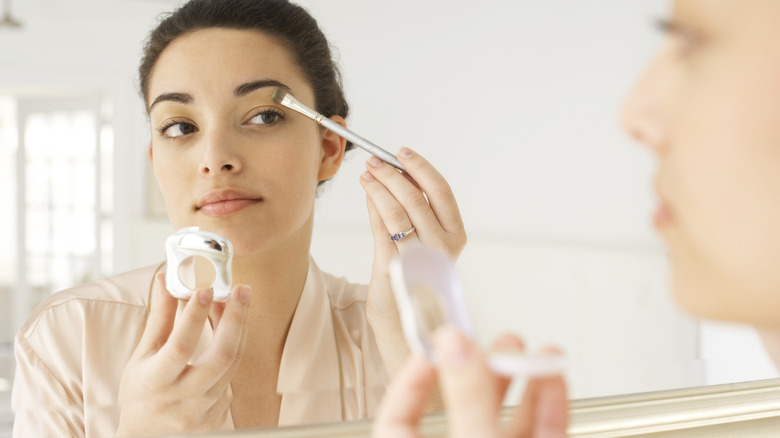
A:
x,y
709,109
292,345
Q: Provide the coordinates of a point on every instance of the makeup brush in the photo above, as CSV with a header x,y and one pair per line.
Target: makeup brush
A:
x,y
286,99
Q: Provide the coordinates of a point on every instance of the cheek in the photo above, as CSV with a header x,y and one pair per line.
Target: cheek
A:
x,y
166,173
172,181
294,160
725,171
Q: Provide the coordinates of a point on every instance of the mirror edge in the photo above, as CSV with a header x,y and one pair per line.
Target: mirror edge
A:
x,y
695,412
752,407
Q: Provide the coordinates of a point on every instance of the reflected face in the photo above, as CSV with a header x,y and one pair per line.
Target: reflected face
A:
x,y
227,157
709,109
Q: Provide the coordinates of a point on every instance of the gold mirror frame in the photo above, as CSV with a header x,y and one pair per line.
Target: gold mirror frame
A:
x,y
735,409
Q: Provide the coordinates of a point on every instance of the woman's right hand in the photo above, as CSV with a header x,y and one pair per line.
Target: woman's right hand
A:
x,y
161,392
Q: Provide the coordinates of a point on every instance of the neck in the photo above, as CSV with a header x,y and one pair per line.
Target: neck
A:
x,y
277,275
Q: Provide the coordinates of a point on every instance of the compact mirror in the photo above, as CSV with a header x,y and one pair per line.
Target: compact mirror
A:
x,y
191,242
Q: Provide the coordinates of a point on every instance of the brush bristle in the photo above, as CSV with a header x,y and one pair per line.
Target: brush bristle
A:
x,y
278,95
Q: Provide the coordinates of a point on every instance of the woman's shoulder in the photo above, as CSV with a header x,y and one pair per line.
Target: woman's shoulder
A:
x,y
128,291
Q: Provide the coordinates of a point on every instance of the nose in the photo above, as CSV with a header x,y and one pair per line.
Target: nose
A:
x,y
220,155
645,112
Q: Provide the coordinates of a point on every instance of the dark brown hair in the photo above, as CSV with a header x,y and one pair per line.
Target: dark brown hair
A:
x,y
290,23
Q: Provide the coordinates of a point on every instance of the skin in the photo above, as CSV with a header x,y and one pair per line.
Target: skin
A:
x,y
708,107
240,165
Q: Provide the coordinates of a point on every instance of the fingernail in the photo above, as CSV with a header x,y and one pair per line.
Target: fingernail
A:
x,y
205,295
508,342
367,176
452,349
405,153
375,162
244,294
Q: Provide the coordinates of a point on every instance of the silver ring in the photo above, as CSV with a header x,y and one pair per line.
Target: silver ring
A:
x,y
398,236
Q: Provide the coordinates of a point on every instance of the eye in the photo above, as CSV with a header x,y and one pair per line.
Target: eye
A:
x,y
266,117
685,39
177,129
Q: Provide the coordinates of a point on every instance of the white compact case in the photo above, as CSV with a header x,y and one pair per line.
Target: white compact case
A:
x,y
189,242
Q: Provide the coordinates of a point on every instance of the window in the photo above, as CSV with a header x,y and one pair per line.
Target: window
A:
x,y
56,185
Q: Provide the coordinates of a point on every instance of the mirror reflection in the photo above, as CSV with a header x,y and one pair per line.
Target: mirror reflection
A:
x,y
512,104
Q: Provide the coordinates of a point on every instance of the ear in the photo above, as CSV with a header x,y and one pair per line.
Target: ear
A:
x,y
333,148
151,158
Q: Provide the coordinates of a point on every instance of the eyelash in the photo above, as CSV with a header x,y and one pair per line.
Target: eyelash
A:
x,y
266,111
688,38
666,26
273,111
167,125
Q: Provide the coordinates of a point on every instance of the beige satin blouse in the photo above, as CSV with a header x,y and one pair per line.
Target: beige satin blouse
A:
x,y
71,354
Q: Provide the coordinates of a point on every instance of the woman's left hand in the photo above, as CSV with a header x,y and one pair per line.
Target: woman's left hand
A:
x,y
473,393
419,198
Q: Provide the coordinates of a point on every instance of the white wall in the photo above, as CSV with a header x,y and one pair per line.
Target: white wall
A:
x,y
516,104
515,101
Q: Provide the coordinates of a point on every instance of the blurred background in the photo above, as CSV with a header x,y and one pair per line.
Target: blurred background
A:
x,y
514,101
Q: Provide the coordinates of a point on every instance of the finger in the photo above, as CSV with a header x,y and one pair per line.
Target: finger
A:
x,y
553,406
400,203
384,248
186,333
217,414
552,410
224,354
404,403
543,412
439,192
223,383
393,215
468,385
162,314
509,343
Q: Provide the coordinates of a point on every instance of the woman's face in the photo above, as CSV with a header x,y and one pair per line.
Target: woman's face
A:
x,y
228,159
709,109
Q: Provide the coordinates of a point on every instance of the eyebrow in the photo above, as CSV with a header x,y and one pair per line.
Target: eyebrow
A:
x,y
171,97
240,91
244,89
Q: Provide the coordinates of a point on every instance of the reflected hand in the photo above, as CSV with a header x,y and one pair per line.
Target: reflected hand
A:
x,y
161,392
472,394
396,201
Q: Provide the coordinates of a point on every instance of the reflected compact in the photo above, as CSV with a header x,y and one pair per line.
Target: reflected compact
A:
x,y
192,242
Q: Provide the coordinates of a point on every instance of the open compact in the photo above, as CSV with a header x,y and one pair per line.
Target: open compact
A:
x,y
192,242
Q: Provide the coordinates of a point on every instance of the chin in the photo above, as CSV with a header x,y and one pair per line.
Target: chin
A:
x,y
699,294
713,297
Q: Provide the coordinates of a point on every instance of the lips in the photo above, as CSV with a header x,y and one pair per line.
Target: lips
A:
x,y
226,202
663,215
